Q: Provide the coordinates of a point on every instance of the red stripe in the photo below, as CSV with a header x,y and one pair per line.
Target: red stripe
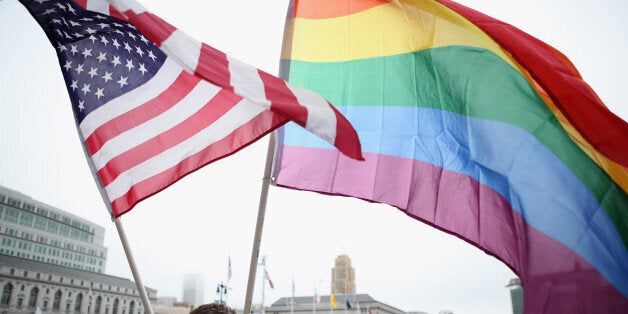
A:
x,y
82,3
575,99
282,99
184,83
208,114
347,139
152,26
115,13
248,133
213,66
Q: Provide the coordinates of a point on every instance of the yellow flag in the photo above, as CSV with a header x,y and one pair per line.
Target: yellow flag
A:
x,y
332,299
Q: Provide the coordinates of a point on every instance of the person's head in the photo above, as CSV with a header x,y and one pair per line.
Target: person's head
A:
x,y
213,308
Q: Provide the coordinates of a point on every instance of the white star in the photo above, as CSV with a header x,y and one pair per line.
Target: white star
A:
x,y
132,36
74,23
104,40
119,32
107,76
89,30
115,43
59,32
81,105
79,69
49,11
118,25
129,64
71,9
86,19
102,25
85,89
74,85
93,38
67,35
99,92
93,72
142,68
60,6
87,53
68,65
116,61
101,56
56,21
77,35
127,47
122,81
73,49
151,55
142,38
100,17
139,51
61,47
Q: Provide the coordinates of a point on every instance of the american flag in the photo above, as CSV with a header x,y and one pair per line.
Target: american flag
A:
x,y
152,104
270,282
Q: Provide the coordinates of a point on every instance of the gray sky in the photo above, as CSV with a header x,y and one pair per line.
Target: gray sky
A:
x,y
194,225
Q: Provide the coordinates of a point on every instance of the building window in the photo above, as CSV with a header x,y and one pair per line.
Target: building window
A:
x,y
97,306
78,302
45,305
115,306
131,307
32,299
6,294
57,301
20,301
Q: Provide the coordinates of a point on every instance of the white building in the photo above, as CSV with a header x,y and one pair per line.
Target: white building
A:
x,y
193,289
33,230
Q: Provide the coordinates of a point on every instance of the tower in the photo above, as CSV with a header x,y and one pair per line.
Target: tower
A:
x,y
343,276
516,295
193,289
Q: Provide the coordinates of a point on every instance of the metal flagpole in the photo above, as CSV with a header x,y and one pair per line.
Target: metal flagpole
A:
x,y
136,275
260,224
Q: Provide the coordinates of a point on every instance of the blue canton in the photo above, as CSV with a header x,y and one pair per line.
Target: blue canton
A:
x,y
101,57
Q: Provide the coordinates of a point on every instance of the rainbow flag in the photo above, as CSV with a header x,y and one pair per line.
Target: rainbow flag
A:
x,y
474,127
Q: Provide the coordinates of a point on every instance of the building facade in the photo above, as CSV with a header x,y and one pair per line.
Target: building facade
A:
x,y
347,303
29,286
193,289
32,230
343,276
516,295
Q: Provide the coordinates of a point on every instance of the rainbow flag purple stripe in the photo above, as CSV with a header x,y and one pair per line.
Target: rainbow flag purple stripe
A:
x,y
470,132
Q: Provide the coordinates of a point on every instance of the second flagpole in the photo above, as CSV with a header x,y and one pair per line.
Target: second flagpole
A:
x,y
260,223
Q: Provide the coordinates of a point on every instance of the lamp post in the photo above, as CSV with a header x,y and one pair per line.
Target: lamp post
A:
x,y
222,289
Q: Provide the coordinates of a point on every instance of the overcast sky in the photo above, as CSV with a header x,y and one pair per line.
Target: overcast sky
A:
x,y
194,225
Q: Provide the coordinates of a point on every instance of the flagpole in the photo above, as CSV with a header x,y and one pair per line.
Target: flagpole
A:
x,y
260,224
136,275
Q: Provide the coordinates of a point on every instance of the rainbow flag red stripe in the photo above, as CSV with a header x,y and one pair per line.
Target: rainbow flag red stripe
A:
x,y
474,127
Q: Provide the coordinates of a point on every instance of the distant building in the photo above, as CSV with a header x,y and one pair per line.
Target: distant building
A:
x,y
516,295
27,285
363,303
343,276
52,261
166,301
193,289
33,230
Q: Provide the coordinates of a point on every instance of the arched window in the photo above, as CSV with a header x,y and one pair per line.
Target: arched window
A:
x,y
57,301
97,306
32,299
131,307
78,302
115,307
6,294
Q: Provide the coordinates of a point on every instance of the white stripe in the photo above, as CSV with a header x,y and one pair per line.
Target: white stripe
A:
x,y
161,81
100,6
321,119
125,5
239,115
188,106
246,82
183,48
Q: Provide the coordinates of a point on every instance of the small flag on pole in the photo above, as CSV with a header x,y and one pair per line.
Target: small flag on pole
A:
x,y
270,282
332,299
229,269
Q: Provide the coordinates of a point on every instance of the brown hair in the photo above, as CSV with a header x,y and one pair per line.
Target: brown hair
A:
x,y
213,308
